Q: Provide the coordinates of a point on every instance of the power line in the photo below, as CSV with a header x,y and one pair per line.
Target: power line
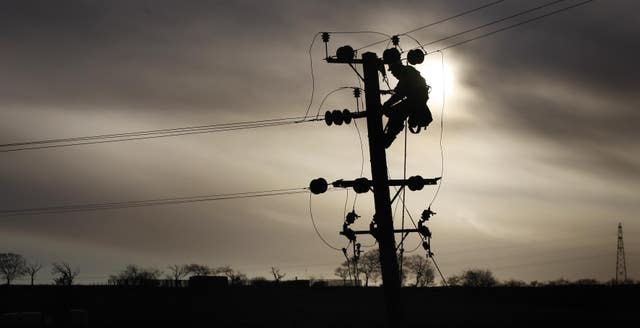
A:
x,y
315,227
313,78
516,24
435,23
491,23
151,134
148,202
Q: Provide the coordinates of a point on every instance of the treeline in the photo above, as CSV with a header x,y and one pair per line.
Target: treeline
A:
x,y
361,271
418,271
15,266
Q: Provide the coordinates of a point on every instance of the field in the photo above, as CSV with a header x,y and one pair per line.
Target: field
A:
x,y
270,306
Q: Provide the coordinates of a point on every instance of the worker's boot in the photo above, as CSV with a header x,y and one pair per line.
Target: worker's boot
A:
x,y
390,132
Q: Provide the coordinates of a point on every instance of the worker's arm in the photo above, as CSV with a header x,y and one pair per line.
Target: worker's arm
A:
x,y
396,97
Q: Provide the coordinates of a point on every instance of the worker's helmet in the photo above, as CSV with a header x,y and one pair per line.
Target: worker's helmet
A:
x,y
391,55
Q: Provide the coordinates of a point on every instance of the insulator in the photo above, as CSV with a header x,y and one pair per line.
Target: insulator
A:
x,y
391,55
351,217
415,183
328,118
361,185
395,40
346,116
426,214
356,92
318,186
424,231
325,37
426,246
345,53
415,56
337,117
350,234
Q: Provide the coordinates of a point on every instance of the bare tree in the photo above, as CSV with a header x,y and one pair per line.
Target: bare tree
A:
x,y
198,269
177,272
343,273
235,277
12,266
369,266
421,268
277,276
32,270
134,275
63,273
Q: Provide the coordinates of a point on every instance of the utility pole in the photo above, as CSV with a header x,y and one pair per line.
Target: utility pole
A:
x,y
380,183
621,265
381,226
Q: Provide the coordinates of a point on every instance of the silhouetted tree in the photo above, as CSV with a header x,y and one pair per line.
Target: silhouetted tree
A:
x,y
587,282
343,273
259,281
559,282
514,283
32,270
198,269
369,266
12,266
454,280
177,272
235,277
134,275
478,278
63,273
277,275
421,268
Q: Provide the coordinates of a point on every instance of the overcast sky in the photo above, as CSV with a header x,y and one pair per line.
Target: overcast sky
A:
x,y
541,134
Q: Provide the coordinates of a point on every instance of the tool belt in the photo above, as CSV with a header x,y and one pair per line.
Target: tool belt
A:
x,y
419,119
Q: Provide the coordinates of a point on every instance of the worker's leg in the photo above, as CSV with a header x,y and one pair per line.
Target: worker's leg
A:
x,y
394,126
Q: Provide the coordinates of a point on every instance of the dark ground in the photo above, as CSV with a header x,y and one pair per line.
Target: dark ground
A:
x,y
110,306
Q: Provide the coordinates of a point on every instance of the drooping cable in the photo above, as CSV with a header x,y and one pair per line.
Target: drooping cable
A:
x,y
444,97
325,99
404,190
315,227
313,78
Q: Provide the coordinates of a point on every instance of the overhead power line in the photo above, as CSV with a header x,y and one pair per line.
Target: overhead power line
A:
x,y
148,202
520,13
516,24
435,23
151,134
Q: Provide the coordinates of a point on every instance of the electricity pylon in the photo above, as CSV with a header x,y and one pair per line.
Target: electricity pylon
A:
x,y
621,265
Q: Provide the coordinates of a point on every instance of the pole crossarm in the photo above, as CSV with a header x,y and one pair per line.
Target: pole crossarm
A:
x,y
367,232
362,185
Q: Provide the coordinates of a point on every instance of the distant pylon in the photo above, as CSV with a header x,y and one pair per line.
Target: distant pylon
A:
x,y
621,266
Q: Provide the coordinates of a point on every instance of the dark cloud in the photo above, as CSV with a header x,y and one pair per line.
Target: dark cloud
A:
x,y
568,79
566,83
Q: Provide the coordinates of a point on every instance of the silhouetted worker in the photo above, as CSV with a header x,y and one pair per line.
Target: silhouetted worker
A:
x,y
409,100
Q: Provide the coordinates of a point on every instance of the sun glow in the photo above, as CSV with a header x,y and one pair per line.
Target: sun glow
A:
x,y
438,75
